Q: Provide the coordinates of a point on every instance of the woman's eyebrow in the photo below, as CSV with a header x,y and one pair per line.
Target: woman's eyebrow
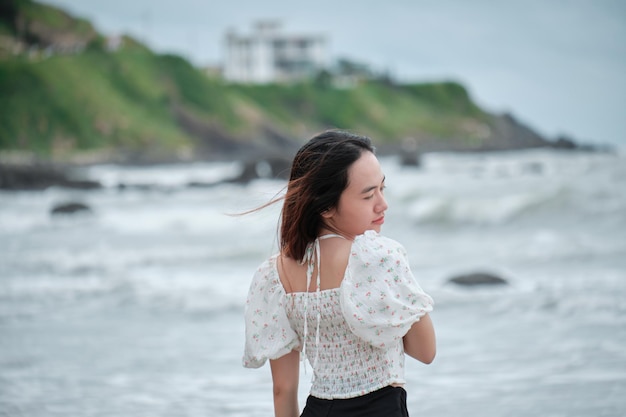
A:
x,y
373,187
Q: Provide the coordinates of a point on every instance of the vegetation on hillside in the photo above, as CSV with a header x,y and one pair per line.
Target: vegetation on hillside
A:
x,y
64,88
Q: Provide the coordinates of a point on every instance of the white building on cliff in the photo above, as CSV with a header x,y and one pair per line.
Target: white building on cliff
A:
x,y
267,55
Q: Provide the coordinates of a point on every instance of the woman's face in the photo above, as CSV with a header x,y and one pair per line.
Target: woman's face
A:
x,y
362,205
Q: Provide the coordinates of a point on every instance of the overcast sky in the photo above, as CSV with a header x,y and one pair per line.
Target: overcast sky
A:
x,y
557,65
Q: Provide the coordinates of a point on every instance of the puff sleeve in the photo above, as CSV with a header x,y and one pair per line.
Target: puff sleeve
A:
x,y
268,332
380,297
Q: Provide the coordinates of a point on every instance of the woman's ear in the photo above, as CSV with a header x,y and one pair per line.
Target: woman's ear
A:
x,y
329,213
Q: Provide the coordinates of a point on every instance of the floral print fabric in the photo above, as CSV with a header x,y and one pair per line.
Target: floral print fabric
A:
x,y
380,297
358,347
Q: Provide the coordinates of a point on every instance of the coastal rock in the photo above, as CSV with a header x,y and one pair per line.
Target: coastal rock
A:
x,y
564,142
275,167
477,278
39,177
70,208
508,133
409,152
28,177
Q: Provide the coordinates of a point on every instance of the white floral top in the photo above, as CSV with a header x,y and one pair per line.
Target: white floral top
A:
x,y
356,345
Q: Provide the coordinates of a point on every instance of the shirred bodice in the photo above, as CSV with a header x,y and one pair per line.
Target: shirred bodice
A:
x,y
347,366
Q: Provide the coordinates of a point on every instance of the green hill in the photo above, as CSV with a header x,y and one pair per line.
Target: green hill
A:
x,y
66,90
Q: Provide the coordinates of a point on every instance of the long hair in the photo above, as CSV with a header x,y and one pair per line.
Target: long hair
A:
x,y
319,174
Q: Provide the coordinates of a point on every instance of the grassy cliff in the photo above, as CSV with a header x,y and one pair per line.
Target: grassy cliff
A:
x,y
64,89
126,100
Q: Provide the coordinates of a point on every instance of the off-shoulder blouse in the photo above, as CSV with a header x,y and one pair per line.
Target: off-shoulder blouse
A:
x,y
352,334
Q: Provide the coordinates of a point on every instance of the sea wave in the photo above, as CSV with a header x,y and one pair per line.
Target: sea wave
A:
x,y
493,209
501,188
174,175
178,290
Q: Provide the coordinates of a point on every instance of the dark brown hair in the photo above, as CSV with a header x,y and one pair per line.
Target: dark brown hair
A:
x,y
319,174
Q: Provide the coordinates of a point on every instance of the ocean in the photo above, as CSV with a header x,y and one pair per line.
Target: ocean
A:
x,y
136,307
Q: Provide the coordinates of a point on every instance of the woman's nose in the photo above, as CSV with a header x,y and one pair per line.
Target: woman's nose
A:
x,y
382,204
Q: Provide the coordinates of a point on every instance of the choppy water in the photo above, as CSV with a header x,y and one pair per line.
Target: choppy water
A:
x,y
136,309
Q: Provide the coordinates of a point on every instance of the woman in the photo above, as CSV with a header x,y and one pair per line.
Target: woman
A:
x,y
337,293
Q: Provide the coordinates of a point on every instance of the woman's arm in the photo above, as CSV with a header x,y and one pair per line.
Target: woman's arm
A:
x,y
285,376
419,342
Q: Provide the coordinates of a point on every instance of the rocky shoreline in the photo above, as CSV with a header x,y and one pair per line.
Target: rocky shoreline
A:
x,y
40,175
30,174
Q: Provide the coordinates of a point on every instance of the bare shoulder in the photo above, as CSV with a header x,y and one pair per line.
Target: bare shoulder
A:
x,y
291,273
336,250
335,256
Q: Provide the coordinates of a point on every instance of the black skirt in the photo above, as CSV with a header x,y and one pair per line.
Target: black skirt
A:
x,y
386,402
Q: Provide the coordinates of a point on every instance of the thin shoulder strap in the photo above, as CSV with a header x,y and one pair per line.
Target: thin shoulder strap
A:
x,y
309,260
317,298
330,235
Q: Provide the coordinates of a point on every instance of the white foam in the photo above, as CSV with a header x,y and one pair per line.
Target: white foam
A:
x,y
164,175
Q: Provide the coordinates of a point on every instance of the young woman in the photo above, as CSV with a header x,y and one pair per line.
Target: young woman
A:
x,y
337,293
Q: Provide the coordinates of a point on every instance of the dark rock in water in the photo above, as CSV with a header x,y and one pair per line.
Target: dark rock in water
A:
x,y
410,159
477,278
201,184
140,187
409,155
29,177
40,177
81,184
564,142
249,172
533,168
264,167
70,208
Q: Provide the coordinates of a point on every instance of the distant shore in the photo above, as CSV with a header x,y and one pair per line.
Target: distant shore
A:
x,y
25,171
